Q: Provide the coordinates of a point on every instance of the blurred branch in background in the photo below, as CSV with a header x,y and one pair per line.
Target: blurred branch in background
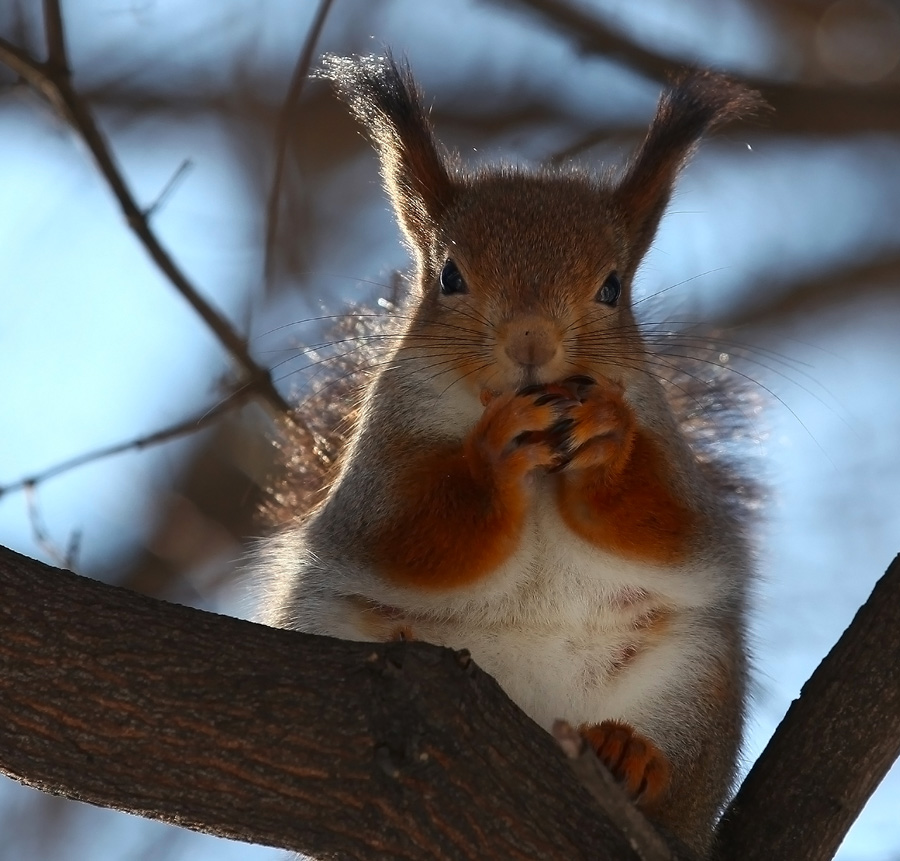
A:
x,y
798,106
285,120
875,278
52,79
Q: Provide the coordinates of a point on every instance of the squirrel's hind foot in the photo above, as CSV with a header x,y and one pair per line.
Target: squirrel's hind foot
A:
x,y
636,762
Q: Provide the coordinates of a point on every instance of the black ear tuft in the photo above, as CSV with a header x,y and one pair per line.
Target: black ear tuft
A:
x,y
385,99
696,102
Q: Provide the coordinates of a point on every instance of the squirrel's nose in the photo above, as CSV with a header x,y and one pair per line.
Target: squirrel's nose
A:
x,y
533,343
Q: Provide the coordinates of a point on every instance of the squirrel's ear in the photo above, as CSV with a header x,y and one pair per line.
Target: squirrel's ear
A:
x,y
385,99
696,102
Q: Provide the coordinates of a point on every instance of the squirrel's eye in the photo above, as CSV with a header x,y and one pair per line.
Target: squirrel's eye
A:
x,y
452,280
609,293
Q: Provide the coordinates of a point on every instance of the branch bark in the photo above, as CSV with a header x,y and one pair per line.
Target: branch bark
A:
x,y
332,748
400,750
841,735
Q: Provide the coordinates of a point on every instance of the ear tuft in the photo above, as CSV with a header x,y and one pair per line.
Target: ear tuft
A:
x,y
385,99
696,102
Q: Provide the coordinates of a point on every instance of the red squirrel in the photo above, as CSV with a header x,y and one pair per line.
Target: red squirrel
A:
x,y
517,483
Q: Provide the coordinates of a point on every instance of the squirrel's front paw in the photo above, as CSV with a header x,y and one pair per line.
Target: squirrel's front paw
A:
x,y
521,431
635,761
602,423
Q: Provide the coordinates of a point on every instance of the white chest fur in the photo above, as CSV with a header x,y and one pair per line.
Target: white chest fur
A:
x,y
568,630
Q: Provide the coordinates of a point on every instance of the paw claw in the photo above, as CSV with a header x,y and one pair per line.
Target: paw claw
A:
x,y
561,426
531,390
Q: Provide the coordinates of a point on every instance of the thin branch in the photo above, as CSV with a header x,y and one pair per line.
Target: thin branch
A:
x,y
183,428
54,32
169,188
66,558
285,120
842,733
26,67
593,36
56,87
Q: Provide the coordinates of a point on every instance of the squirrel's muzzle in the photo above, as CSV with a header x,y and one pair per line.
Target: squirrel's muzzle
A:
x,y
531,342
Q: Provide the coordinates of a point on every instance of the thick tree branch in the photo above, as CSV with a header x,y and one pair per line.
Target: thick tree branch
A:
x,y
841,734
797,107
396,750
332,748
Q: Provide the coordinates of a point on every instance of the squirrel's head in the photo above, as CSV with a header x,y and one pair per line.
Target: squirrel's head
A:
x,y
525,276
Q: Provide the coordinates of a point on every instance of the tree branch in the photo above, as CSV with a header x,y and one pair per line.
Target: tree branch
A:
x,y
183,428
797,107
55,85
646,840
331,748
54,32
298,79
836,743
782,305
365,750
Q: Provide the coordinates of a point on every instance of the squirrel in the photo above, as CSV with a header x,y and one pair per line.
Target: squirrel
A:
x,y
517,483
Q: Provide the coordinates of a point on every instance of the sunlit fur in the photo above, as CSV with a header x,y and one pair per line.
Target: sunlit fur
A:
x,y
590,566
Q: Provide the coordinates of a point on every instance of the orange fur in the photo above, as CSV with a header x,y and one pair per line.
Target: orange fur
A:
x,y
452,525
622,499
635,761
461,507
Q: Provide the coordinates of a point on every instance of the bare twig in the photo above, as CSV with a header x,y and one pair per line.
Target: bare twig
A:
x,y
285,120
642,836
183,428
66,558
27,68
57,56
593,36
55,85
169,187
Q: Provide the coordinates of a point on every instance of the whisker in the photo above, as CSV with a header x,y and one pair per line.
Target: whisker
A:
x,y
768,367
658,293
